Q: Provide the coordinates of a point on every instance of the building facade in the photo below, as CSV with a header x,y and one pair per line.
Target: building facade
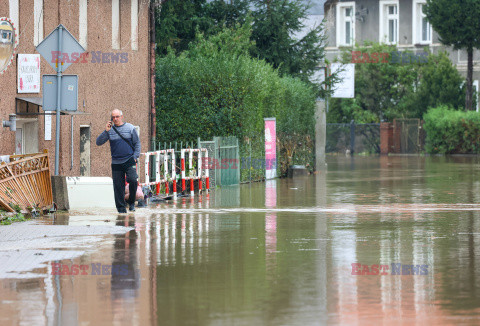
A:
x,y
398,22
112,74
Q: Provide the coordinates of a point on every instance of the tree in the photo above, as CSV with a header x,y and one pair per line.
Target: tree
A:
x,y
383,90
457,24
216,89
275,27
392,89
226,13
440,84
180,20
177,24
276,22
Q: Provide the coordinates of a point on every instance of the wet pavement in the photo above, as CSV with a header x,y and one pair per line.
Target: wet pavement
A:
x,y
389,240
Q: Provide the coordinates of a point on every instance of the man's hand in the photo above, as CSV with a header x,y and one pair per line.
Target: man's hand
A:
x,y
108,126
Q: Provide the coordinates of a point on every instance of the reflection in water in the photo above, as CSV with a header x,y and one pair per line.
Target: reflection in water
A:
x,y
125,282
271,219
281,252
181,239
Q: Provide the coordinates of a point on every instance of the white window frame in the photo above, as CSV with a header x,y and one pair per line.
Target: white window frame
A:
x,y
116,24
134,25
340,19
417,18
384,17
37,22
14,11
83,23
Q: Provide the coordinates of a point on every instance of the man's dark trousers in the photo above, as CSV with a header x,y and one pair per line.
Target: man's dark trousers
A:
x,y
118,175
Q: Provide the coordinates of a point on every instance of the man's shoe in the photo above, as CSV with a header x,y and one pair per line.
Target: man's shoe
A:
x,y
122,210
132,207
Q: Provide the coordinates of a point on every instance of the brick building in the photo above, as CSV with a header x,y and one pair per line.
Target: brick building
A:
x,y
114,73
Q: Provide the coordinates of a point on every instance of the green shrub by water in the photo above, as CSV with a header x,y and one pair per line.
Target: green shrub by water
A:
x,y
216,89
452,132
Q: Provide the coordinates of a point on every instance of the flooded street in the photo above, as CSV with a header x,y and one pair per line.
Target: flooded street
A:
x,y
389,240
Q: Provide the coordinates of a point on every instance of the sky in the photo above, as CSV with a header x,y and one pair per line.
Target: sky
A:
x,y
316,9
317,6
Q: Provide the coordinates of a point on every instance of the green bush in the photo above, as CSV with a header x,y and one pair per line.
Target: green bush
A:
x,y
216,89
9,219
452,132
392,89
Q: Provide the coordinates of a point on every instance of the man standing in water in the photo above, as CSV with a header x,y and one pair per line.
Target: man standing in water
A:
x,y
125,149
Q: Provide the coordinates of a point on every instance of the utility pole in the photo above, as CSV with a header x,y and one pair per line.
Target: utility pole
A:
x,y
320,133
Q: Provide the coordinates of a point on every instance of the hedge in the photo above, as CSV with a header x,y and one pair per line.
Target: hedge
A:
x,y
211,93
452,132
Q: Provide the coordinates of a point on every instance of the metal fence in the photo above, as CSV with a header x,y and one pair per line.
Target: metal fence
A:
x,y
353,138
410,135
223,154
225,160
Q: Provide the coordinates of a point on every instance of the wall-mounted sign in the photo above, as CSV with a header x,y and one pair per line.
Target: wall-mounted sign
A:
x,y
8,43
28,73
345,88
68,91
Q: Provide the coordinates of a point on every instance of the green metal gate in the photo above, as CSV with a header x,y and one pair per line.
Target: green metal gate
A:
x,y
410,134
224,160
230,160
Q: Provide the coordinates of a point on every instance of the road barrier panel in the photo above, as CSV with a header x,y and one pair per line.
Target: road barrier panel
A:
x,y
161,176
201,173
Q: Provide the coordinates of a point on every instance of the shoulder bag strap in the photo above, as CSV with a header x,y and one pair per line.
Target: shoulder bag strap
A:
x,y
133,148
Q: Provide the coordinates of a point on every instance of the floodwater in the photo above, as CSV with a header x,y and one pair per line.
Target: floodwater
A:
x,y
284,252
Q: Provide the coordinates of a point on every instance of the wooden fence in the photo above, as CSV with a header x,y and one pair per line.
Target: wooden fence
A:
x,y
26,182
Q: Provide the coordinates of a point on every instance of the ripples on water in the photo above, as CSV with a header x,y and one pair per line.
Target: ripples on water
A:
x,y
281,253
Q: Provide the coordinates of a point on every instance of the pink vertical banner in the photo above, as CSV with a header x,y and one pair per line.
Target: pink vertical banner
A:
x,y
270,148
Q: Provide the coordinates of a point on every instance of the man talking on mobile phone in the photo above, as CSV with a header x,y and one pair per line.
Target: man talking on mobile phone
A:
x,y
125,149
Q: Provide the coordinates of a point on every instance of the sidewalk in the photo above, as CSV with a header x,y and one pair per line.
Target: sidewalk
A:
x,y
28,245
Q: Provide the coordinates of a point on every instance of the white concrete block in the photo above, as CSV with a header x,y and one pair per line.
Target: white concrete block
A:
x,y
90,192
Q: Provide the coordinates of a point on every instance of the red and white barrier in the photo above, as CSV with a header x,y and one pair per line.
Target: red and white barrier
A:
x,y
201,173
168,156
